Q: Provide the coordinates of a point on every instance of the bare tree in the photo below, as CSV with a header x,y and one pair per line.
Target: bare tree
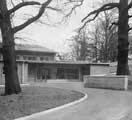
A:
x,y
123,6
105,34
97,43
80,47
8,30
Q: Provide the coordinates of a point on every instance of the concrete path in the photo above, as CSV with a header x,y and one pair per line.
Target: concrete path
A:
x,y
101,104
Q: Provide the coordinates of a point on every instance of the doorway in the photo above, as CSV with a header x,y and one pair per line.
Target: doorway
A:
x,y
43,74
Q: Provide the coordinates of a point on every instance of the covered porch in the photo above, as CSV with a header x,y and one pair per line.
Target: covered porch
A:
x,y
62,70
43,72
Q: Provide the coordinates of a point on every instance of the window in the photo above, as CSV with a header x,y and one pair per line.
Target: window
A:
x,y
46,58
60,73
25,58
32,58
41,58
72,73
67,73
18,57
43,73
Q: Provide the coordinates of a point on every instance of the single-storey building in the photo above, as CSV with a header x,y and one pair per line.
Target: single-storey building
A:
x,y
36,63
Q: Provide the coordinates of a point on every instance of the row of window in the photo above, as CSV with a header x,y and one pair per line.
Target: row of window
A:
x,y
62,73
41,58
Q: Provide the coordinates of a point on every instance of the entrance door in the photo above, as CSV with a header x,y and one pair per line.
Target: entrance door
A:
x,y
42,74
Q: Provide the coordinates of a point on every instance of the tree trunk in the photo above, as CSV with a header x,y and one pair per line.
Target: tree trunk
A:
x,y
123,44
10,68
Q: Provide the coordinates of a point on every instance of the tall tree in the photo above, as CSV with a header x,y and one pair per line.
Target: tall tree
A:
x,y
8,30
10,68
105,35
80,47
123,6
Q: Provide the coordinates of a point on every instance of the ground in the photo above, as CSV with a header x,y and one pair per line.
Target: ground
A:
x,y
101,104
34,99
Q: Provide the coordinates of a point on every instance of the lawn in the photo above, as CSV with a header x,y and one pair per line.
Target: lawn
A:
x,y
34,99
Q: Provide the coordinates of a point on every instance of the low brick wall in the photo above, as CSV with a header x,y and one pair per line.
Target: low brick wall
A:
x,y
109,82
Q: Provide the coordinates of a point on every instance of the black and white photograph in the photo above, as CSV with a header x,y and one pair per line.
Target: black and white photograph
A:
x,y
65,59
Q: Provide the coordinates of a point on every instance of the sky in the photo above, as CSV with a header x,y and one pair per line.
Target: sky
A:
x,y
55,37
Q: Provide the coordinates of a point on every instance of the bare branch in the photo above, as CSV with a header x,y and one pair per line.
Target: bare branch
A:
x,y
52,8
12,3
22,4
130,5
76,6
82,27
101,9
115,23
130,16
33,19
129,29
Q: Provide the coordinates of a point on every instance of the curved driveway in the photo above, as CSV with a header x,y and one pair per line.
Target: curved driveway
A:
x,y
101,104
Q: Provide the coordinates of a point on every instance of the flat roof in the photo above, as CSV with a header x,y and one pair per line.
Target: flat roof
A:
x,y
62,62
69,62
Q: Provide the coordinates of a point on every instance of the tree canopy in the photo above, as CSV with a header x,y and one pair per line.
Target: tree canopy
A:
x,y
124,16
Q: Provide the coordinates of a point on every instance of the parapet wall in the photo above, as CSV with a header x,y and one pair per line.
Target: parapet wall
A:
x,y
99,69
109,82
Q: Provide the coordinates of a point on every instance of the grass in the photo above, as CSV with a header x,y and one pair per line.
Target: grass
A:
x,y
34,99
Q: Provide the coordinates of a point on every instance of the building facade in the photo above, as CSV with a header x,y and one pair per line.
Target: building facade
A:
x,y
36,63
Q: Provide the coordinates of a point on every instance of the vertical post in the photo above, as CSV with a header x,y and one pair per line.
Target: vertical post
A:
x,y
80,74
36,72
23,73
126,83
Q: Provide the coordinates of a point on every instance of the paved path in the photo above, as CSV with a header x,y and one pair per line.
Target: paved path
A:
x,y
100,105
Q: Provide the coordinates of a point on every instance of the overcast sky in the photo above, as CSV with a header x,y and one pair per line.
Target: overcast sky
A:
x,y
56,37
